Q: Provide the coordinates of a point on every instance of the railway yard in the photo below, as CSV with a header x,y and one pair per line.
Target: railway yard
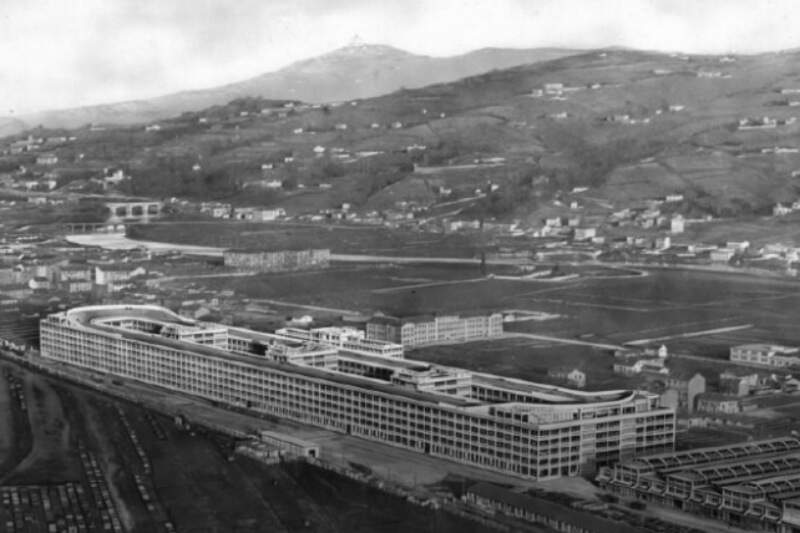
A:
x,y
76,460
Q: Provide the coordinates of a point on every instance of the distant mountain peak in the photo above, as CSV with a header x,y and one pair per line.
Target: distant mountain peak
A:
x,y
356,41
358,48
357,70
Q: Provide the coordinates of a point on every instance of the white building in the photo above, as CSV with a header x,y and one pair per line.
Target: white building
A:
x,y
116,277
585,234
722,255
766,354
677,224
345,339
257,214
781,210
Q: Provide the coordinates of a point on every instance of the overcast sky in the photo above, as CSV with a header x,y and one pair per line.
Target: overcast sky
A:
x,y
64,53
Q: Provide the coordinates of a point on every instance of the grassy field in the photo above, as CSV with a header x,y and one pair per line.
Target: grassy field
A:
x,y
661,306
528,359
602,306
665,303
757,230
348,288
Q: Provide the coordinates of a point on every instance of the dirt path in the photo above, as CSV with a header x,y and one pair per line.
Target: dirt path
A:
x,y
50,459
560,340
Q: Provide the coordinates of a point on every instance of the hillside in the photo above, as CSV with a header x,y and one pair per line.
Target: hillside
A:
x,y
356,71
606,129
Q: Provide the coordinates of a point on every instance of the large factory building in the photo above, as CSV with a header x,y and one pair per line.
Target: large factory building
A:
x,y
497,423
277,260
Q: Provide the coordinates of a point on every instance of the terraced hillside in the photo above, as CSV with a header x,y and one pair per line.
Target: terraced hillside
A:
x,y
620,126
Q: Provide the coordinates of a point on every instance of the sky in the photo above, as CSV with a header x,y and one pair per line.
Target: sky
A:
x,y
65,53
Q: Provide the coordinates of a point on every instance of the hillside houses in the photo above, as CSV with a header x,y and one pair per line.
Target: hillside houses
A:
x,y
47,159
757,123
712,74
257,214
677,224
216,209
722,255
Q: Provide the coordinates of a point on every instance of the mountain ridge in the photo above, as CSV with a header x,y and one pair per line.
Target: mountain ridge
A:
x,y
347,73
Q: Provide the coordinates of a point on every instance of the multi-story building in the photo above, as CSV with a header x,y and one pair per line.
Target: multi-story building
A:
x,y
74,272
740,383
752,485
718,404
40,284
118,276
346,339
766,355
75,287
47,159
277,260
502,424
434,329
688,386
75,278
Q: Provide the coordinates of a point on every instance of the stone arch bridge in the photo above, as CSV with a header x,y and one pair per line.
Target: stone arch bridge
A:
x,y
140,211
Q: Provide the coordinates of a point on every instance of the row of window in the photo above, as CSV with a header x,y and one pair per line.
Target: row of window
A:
x,y
303,397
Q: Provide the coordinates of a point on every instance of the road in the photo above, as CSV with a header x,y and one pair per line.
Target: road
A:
x,y
691,334
560,340
193,277
309,307
427,284
356,258
118,241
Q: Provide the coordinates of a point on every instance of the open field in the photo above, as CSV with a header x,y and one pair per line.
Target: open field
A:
x,y
339,238
119,467
598,306
757,230
346,288
616,311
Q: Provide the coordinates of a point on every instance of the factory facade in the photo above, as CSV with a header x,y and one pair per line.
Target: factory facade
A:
x,y
434,329
497,423
277,260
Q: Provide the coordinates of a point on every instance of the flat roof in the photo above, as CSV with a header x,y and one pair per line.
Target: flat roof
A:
x,y
778,348
254,360
86,317
552,393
